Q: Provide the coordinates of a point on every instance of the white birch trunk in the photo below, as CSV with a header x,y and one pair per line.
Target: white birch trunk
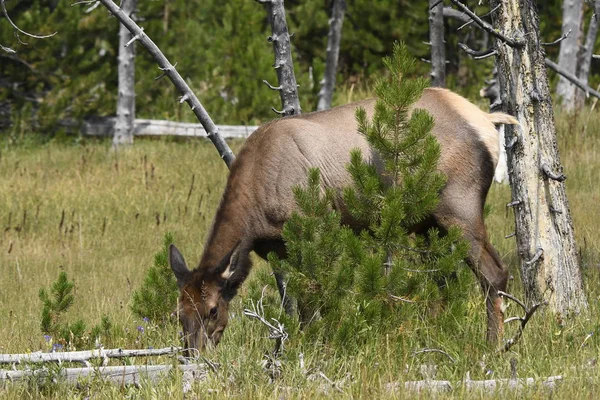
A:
x,y
334,39
545,238
126,99
569,48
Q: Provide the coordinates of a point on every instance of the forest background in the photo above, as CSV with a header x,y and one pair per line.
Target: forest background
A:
x,y
221,51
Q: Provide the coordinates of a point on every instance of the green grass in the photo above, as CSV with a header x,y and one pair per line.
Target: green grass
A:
x,y
117,208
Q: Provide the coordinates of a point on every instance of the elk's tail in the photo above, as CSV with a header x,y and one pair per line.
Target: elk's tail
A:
x,y
501,118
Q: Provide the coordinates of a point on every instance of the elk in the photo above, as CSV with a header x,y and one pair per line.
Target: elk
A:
x,y
258,200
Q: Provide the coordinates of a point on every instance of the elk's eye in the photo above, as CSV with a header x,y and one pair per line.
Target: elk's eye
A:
x,y
213,312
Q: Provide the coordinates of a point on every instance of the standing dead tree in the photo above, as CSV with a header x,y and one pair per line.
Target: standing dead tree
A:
x,y
288,88
436,39
288,91
169,70
544,228
569,47
126,99
334,39
586,58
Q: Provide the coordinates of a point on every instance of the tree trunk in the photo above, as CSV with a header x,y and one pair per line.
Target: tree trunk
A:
x,y
436,38
288,88
333,50
126,98
569,48
545,239
588,50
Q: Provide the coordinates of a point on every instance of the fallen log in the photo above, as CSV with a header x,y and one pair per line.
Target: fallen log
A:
x,y
488,386
152,127
84,356
122,375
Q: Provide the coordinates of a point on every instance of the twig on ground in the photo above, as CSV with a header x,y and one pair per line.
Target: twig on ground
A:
x,y
528,314
276,331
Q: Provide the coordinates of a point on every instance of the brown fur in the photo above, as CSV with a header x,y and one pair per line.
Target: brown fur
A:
x,y
258,198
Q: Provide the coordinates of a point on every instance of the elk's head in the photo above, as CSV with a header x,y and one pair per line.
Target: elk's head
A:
x,y
204,299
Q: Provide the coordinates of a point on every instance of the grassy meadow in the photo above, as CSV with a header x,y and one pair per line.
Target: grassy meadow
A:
x,y
101,216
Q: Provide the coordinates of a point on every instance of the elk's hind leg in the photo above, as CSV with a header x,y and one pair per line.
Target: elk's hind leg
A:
x,y
484,261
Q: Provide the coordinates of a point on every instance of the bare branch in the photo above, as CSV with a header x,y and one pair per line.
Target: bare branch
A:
x,y
576,81
478,55
271,86
528,314
538,254
7,49
136,37
551,174
517,43
514,203
510,235
483,16
276,329
187,94
557,41
19,29
450,12
434,5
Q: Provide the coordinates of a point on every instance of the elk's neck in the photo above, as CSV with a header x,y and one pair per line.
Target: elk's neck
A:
x,y
229,230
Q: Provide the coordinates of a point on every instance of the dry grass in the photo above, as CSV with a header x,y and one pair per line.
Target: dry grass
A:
x,y
117,208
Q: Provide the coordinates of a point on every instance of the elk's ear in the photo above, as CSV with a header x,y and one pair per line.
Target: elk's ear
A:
x,y
229,263
179,267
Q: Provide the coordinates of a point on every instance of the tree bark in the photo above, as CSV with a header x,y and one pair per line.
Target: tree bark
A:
x,y
545,238
288,88
438,48
126,71
567,57
588,50
333,50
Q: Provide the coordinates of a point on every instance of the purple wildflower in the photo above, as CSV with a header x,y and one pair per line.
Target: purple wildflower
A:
x,y
146,319
140,329
47,338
